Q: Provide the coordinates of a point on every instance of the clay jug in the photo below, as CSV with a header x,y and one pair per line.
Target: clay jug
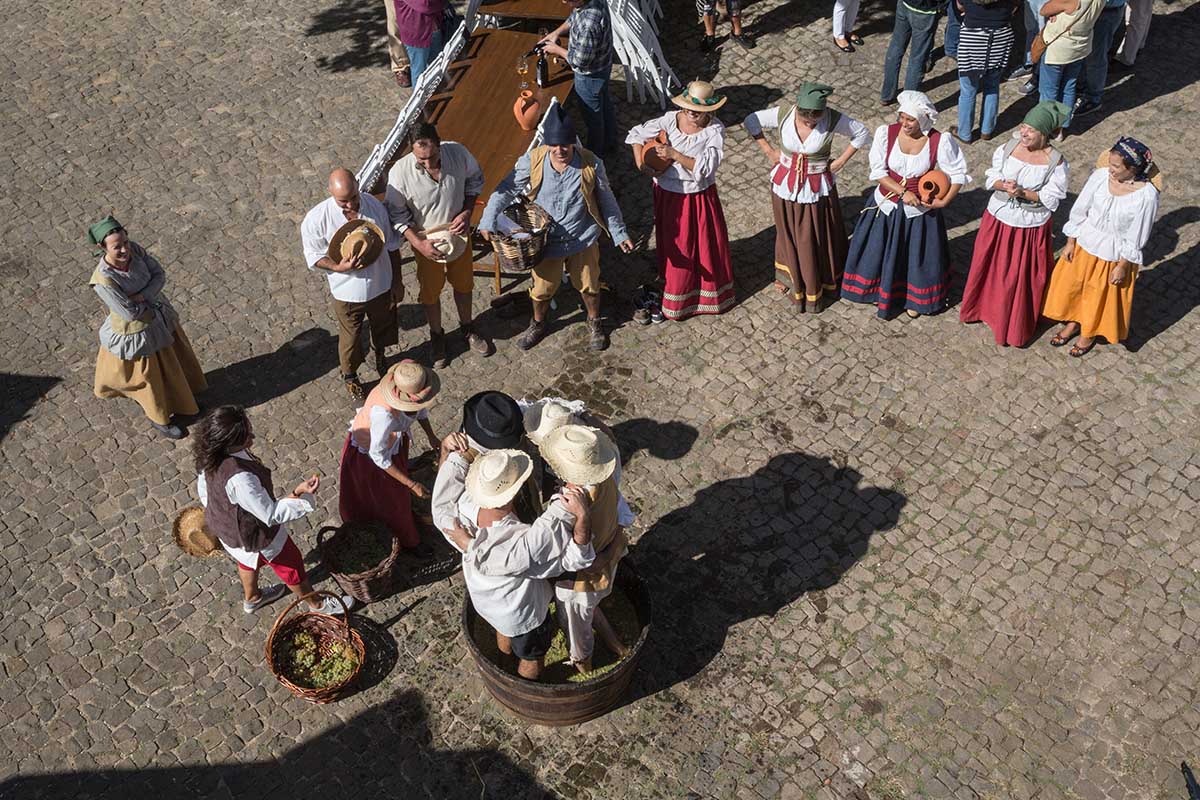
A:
x,y
651,159
527,110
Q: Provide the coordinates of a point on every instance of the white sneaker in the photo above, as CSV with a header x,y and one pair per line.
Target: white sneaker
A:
x,y
268,596
331,606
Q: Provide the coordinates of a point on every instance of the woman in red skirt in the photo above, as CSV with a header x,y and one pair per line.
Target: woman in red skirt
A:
x,y
1011,265
373,478
689,224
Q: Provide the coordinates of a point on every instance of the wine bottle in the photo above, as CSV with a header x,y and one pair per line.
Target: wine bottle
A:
x,y
543,70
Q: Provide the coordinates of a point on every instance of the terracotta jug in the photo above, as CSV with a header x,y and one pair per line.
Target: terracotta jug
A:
x,y
651,159
527,110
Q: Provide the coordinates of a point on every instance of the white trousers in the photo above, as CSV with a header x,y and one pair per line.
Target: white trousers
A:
x,y
576,610
1137,25
845,14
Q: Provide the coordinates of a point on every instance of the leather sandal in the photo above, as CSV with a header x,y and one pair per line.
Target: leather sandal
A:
x,y
1059,340
1079,352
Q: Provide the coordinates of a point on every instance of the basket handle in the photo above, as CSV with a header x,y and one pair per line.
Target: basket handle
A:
x,y
321,535
315,593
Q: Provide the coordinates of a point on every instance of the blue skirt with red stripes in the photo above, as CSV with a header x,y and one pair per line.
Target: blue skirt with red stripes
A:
x,y
897,262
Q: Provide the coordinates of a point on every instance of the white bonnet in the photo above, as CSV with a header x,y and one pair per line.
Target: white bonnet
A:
x,y
919,106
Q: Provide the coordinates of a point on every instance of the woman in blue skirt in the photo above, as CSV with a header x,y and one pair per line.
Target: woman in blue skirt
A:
x,y
899,257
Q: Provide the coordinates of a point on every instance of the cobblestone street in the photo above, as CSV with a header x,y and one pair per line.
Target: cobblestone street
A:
x,y
887,560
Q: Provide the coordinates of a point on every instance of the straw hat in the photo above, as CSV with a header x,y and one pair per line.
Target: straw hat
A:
x,y
358,237
409,386
449,246
542,418
1154,174
579,454
191,535
496,476
699,96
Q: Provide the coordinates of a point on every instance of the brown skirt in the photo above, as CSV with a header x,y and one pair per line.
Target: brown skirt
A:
x,y
810,247
163,384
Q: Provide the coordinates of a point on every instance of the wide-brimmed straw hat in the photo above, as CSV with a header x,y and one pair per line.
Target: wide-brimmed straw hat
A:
x,y
448,246
579,454
358,237
496,476
1153,174
699,96
409,386
190,534
542,418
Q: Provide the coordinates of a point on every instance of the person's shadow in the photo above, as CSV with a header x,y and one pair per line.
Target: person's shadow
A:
x,y
366,22
667,441
303,359
386,751
21,394
747,547
1167,292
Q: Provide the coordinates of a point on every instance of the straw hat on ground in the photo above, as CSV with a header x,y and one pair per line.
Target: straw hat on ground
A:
x,y
579,454
448,246
542,418
496,476
358,237
409,386
699,96
191,535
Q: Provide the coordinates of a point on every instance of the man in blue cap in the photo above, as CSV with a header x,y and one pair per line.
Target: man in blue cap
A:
x,y
571,184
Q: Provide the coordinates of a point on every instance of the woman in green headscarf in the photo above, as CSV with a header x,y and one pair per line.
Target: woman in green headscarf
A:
x,y
144,354
1012,260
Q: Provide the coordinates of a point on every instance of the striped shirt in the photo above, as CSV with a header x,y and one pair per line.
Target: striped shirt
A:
x,y
983,49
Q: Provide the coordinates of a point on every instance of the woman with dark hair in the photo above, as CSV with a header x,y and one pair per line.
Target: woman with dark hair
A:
x,y
242,512
144,354
1091,289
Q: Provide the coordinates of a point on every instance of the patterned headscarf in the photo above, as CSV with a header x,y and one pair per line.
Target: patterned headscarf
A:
x,y
1136,154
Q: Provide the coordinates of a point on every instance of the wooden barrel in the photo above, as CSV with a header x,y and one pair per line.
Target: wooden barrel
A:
x,y
558,704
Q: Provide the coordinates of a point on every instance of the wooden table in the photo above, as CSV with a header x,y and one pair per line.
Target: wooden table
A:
x,y
550,10
476,109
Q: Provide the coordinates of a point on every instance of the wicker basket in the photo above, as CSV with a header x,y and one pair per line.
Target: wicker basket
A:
x,y
326,630
522,254
365,587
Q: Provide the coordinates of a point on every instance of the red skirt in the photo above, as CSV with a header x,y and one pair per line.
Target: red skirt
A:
x,y
1007,284
368,494
693,253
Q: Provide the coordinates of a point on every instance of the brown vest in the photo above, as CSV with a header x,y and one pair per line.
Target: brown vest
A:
x,y
608,539
587,180
234,525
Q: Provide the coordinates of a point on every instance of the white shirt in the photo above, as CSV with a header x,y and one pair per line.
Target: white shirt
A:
x,y
246,491
506,564
319,226
1027,176
768,118
414,199
950,160
1112,227
707,147
388,427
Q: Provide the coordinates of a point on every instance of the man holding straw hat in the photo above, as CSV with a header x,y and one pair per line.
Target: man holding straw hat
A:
x,y
506,561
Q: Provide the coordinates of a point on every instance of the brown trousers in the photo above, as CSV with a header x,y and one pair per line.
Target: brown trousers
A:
x,y
396,51
379,313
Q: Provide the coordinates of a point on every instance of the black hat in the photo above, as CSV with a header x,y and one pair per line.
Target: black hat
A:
x,y
494,420
557,128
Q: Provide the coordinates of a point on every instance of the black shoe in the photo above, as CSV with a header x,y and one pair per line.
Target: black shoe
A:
x,y
381,364
1085,107
170,430
597,338
437,348
708,43
885,102
1023,71
846,48
742,40
855,40
532,335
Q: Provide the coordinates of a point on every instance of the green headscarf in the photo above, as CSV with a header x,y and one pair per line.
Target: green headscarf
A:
x,y
1047,117
811,96
98,231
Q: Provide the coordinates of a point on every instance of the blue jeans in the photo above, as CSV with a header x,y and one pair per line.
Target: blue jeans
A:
x,y
953,26
1096,68
1060,82
419,57
1034,22
987,84
919,28
599,114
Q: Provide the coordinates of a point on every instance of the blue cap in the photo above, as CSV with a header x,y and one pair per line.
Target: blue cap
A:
x,y
557,128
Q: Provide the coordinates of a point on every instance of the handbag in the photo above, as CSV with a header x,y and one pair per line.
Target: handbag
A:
x,y
1037,47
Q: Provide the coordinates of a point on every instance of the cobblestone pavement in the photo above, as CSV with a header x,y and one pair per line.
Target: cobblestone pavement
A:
x,y
887,560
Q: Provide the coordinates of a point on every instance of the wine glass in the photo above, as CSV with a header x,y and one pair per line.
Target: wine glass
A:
x,y
523,70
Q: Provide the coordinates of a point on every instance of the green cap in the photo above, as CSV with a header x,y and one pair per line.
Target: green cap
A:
x,y
1047,117
103,228
811,96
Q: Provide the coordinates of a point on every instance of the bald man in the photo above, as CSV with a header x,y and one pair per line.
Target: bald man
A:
x,y
361,292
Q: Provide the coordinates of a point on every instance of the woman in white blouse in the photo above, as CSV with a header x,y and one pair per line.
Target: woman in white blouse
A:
x,y
689,223
1091,289
240,509
1012,258
810,235
899,255
373,481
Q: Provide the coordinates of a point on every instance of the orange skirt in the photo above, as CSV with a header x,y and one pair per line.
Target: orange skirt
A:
x,y
1080,292
163,384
